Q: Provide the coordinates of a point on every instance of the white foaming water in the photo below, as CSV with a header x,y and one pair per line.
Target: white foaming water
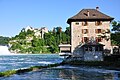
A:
x,y
44,62
4,50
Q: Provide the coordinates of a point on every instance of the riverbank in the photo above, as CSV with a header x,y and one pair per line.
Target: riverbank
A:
x,y
21,71
96,64
99,64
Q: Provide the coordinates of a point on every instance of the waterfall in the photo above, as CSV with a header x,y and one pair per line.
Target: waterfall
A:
x,y
4,50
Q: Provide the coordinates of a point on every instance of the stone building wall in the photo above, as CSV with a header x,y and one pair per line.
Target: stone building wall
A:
x,y
77,34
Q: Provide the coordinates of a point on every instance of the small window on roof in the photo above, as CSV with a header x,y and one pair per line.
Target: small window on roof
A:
x,y
85,14
77,23
94,15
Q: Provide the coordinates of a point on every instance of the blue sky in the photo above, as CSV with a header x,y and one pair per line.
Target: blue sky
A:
x,y
17,14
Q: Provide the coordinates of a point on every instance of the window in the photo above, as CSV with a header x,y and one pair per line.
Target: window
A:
x,y
93,15
84,23
98,31
86,39
84,31
90,48
100,48
86,49
97,23
96,48
98,39
77,23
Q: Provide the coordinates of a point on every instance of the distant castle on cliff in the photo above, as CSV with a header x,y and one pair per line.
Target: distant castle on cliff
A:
x,y
39,32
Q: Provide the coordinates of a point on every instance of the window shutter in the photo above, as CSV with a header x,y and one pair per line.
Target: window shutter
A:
x,y
82,39
87,30
96,30
101,38
87,39
82,23
96,23
96,39
100,22
82,31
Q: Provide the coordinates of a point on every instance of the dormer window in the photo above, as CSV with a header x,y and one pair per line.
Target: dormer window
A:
x,y
85,14
94,15
84,23
97,23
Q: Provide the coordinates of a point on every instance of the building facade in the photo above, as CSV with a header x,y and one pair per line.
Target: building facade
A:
x,y
38,32
87,25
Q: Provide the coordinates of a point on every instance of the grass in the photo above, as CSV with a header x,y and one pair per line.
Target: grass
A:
x,y
20,71
7,73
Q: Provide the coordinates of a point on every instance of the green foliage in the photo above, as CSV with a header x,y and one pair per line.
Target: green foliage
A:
x,y
116,26
7,73
27,42
16,46
4,40
21,71
115,36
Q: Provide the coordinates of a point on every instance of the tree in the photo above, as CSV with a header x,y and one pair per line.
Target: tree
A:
x,y
116,26
68,34
28,43
67,31
58,30
4,40
115,35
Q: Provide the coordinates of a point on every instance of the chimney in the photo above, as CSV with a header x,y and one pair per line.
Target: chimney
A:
x,y
88,13
97,8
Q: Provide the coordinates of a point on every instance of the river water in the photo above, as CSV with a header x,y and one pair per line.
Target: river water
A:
x,y
8,62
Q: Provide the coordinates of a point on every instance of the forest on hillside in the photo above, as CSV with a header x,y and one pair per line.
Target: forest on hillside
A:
x,y
27,42
4,40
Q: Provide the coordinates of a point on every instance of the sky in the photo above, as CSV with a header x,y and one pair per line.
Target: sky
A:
x,y
18,14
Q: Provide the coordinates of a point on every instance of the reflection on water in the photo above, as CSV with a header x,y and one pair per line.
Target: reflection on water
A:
x,y
65,74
